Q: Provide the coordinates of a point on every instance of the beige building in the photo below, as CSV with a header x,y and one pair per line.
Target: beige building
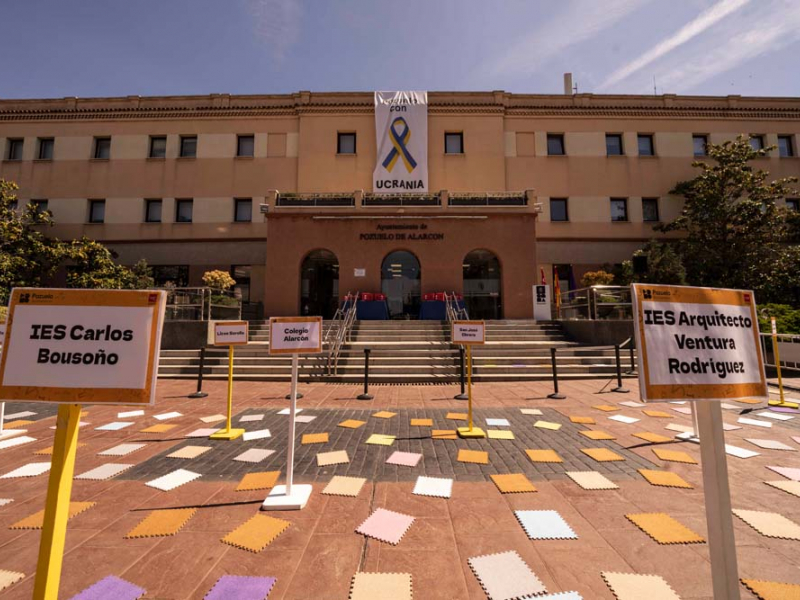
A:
x,y
278,188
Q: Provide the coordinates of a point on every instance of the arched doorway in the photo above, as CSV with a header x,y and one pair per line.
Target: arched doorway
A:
x,y
482,285
400,281
319,284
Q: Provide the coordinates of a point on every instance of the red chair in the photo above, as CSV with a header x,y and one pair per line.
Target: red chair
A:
x,y
367,296
439,296
428,297
380,297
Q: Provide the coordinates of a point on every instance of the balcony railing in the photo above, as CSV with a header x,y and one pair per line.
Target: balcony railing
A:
x,y
402,200
315,200
489,199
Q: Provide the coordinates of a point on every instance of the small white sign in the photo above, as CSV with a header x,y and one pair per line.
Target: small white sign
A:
x,y
359,272
541,303
230,333
295,335
469,332
774,325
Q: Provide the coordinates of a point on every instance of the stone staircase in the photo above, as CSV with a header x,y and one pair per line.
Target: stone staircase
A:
x,y
409,352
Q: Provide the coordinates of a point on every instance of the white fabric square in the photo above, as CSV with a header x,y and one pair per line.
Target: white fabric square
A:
x,y
19,415
130,413
440,487
776,416
16,441
770,444
104,472
497,423
530,411
304,418
250,418
169,415
544,525
29,470
258,434
253,455
202,432
739,452
756,422
115,426
505,576
121,450
172,480
285,411
624,419
632,404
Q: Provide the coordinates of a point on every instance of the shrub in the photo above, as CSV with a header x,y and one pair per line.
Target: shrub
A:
x,y
218,280
596,278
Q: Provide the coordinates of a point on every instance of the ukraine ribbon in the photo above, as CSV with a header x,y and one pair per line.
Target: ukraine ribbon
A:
x,y
399,141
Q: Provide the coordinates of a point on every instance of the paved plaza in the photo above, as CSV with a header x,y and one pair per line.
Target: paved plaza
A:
x,y
570,533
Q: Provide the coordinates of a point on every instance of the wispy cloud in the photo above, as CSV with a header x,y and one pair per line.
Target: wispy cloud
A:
x,y
577,23
277,22
685,34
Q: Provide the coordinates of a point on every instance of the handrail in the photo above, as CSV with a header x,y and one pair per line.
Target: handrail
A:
x,y
453,311
342,335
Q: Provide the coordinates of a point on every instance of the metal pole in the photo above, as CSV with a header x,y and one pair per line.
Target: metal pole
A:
x,y
366,395
292,413
633,361
555,395
619,389
230,388
200,393
463,394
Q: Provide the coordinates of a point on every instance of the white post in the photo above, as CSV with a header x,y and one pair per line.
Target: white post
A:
x,y
719,519
695,424
2,415
292,412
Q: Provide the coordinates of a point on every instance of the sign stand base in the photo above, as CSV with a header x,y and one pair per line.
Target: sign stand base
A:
x,y
785,404
230,434
474,432
278,499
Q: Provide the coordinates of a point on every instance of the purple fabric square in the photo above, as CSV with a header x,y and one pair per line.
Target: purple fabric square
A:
x,y
111,587
241,588
404,459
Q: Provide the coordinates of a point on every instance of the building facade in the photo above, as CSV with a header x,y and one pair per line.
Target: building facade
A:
x,y
278,189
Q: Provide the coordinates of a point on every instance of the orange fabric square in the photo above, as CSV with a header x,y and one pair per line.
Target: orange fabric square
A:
x,y
473,456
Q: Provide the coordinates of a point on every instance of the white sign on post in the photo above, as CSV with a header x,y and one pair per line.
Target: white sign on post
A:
x,y
469,332
541,303
295,336
230,333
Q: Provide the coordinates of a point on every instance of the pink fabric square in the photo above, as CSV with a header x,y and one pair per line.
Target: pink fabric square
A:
x,y
404,459
792,473
386,525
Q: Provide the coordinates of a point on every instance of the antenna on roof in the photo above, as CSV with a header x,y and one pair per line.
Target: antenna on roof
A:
x,y
655,89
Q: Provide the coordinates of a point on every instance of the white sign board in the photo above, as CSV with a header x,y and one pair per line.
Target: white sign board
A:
x,y
82,346
230,333
469,332
697,343
295,335
541,303
359,272
401,126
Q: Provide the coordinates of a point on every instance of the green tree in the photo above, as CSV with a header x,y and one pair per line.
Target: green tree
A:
x,y
664,265
27,256
735,234
600,277
94,267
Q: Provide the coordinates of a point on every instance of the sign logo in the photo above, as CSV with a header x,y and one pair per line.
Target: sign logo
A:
x,y
399,140
24,298
647,294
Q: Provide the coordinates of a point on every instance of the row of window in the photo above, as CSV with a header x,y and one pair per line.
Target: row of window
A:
x,y
559,209
346,144
153,210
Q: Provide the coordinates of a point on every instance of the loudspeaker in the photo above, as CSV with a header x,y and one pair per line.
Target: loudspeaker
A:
x,y
640,264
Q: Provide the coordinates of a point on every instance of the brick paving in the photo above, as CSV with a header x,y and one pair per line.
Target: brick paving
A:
x,y
319,553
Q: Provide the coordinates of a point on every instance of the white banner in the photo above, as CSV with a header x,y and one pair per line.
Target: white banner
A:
x,y
401,126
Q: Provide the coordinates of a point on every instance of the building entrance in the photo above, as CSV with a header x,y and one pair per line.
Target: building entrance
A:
x,y
400,281
482,285
319,284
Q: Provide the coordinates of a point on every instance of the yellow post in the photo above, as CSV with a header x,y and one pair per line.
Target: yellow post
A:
x,y
778,367
56,511
229,433
471,431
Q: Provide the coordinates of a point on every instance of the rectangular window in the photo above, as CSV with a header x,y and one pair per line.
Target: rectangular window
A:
x,y
757,142
650,209
15,149
555,144
158,146
558,209
699,143
245,145
46,146
646,147
785,146
241,275
39,205
619,209
97,211
183,211
454,143
102,148
793,204
177,275
613,144
188,146
152,211
242,210
345,143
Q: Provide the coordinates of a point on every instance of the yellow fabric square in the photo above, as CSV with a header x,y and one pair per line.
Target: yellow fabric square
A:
x,y
258,481
664,529
513,483
602,454
444,434
544,456
422,422
380,439
665,479
36,520
49,450
473,456
17,423
658,414
159,428
352,424
457,416
606,407
314,438
384,414
767,590
161,523
256,533
652,437
582,420
500,434
597,435
547,425
674,456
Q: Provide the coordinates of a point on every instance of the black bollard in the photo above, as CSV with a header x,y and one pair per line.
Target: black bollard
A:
x,y
633,361
366,395
463,394
555,395
200,393
619,389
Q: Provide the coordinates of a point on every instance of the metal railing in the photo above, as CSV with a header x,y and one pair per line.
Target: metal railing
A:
x,y
788,347
321,199
201,304
488,199
453,310
610,302
342,334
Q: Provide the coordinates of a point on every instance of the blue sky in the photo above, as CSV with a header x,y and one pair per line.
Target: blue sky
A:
x,y
55,48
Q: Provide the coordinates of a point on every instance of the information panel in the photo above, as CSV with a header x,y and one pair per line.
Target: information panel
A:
x,y
469,332
82,346
295,335
697,343
230,333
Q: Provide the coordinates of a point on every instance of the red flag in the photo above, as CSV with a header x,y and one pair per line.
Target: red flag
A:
x,y
541,270
557,289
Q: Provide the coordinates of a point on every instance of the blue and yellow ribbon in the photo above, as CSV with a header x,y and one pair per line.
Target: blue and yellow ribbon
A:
x,y
399,141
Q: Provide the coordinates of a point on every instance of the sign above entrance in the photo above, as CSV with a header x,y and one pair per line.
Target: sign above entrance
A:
x,y
230,333
295,335
82,346
401,125
469,332
697,343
